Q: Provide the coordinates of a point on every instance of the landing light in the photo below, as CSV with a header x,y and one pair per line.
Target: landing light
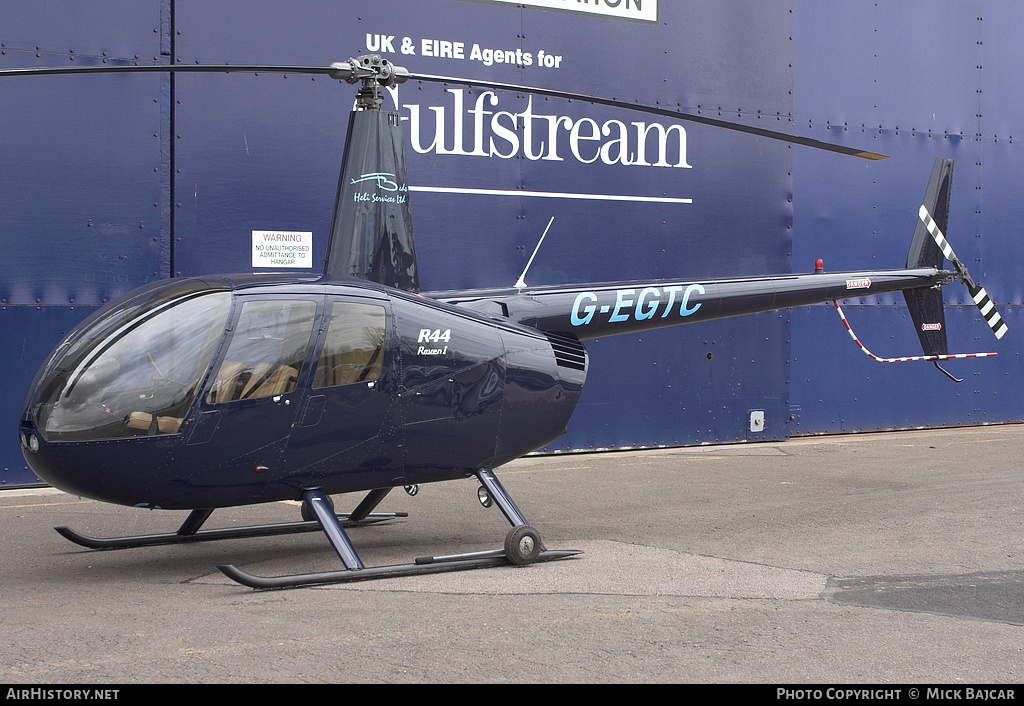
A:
x,y
30,441
484,497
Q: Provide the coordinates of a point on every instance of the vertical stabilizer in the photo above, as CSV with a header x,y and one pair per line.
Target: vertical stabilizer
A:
x,y
925,305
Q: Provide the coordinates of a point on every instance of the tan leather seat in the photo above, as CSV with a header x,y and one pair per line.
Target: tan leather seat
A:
x,y
345,368
142,421
260,374
225,386
282,379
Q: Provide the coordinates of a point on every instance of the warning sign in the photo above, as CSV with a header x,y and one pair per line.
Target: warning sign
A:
x,y
275,248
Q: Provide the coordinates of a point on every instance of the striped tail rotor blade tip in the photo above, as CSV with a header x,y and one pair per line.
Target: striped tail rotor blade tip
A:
x,y
988,311
981,299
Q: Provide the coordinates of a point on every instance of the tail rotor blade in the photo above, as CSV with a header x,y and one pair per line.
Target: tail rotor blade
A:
x,y
988,310
978,293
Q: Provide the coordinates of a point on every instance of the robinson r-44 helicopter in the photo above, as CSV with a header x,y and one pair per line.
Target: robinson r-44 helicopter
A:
x,y
207,392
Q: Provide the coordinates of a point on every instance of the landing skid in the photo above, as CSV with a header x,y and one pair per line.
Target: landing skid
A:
x,y
209,535
522,546
422,565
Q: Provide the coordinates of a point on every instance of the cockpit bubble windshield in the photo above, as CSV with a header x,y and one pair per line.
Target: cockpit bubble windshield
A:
x,y
134,370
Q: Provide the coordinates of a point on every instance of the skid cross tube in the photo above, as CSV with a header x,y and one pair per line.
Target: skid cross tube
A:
x,y
501,497
372,500
333,529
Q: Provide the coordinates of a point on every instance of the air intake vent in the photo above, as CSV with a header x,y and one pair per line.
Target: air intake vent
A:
x,y
569,353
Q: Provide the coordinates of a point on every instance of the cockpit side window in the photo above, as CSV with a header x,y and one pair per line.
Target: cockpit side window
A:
x,y
353,348
266,351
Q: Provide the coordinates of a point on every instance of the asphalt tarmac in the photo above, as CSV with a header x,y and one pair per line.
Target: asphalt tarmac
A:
x,y
875,558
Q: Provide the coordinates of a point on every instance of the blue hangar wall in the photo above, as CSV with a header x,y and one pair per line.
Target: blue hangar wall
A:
x,y
111,181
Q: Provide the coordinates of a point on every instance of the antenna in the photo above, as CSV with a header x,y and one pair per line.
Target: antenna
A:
x,y
521,282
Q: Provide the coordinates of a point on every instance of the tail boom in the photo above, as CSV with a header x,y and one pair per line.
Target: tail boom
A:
x,y
592,311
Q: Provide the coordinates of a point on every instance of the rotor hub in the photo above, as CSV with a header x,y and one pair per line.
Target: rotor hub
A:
x,y
373,71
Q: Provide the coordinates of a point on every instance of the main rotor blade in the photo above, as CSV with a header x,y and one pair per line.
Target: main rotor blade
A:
x,y
664,112
157,68
494,85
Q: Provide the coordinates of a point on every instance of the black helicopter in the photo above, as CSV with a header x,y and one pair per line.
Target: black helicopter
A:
x,y
216,391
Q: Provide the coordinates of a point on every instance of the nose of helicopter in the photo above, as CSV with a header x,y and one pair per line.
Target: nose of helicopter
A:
x,y
97,469
103,414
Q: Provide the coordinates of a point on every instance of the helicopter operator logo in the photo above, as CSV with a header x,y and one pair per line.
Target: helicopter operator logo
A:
x,y
385,182
383,179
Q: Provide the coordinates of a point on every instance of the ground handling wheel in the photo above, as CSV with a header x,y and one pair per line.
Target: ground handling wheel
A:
x,y
522,545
